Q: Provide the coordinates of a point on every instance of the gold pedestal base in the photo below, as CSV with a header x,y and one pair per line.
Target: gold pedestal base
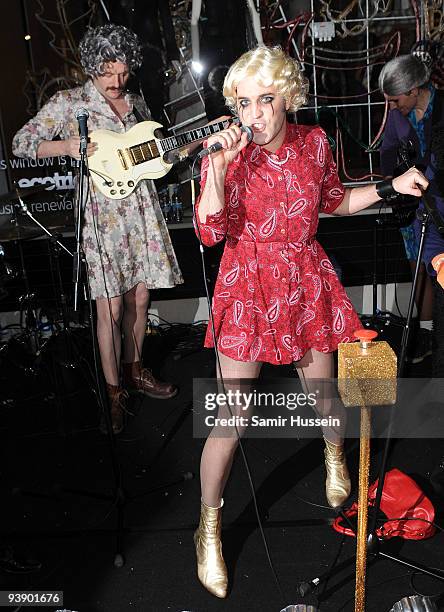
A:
x,y
361,544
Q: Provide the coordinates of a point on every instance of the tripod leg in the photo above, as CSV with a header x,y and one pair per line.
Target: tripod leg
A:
x,y
361,546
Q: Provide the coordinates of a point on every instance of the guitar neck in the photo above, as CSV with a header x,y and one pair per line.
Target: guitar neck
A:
x,y
182,140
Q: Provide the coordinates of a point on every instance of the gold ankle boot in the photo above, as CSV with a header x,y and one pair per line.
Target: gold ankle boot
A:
x,y
337,485
211,567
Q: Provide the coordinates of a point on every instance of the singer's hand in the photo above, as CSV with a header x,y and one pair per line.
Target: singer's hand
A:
x,y
232,141
72,147
410,182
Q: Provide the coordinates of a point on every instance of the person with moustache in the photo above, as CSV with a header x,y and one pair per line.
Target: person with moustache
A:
x,y
126,242
417,116
277,298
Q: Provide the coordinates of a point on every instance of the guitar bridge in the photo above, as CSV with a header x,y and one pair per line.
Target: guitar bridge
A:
x,y
122,159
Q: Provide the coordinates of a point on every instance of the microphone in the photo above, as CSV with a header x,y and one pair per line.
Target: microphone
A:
x,y
82,117
217,145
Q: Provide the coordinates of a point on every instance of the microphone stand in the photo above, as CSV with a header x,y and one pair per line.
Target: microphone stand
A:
x,y
118,496
80,211
430,212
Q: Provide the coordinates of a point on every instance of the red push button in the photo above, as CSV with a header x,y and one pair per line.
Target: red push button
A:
x,y
365,335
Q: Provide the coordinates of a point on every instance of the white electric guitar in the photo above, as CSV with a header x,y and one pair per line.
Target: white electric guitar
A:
x,y
121,161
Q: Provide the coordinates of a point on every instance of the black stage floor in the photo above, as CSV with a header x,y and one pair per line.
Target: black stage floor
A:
x,y
58,506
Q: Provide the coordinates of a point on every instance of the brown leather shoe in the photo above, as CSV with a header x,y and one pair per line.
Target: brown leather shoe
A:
x,y
117,398
141,380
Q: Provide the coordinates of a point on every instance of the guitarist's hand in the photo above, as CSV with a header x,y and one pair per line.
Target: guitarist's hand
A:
x,y
412,182
232,141
72,147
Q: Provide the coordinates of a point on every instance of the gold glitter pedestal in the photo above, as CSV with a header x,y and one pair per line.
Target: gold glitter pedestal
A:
x,y
367,376
367,373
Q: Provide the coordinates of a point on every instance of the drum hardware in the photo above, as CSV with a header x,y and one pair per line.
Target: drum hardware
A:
x,y
31,333
28,320
48,348
28,310
25,211
12,226
7,271
17,352
21,192
15,226
15,231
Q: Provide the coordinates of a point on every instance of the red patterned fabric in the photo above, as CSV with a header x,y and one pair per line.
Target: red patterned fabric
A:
x,y
277,294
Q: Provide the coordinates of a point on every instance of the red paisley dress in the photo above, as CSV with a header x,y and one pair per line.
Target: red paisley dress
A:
x,y
277,294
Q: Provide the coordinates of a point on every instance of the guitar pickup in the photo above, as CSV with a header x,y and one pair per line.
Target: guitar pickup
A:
x,y
131,156
122,159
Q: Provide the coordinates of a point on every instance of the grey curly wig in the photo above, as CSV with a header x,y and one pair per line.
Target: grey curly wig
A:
x,y
402,74
109,43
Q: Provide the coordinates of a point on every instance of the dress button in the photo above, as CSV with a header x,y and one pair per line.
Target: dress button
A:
x,y
282,231
284,280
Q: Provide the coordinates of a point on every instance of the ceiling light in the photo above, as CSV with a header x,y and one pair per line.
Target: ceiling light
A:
x,y
196,67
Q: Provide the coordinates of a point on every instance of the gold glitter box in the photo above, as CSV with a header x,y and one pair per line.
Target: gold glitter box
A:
x,y
367,372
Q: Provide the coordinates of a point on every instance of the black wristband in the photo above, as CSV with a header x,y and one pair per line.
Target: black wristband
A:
x,y
385,190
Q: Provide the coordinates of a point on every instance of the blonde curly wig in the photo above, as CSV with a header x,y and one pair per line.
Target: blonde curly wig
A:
x,y
268,66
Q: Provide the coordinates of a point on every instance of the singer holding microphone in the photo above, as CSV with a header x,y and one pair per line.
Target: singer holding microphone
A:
x,y
126,242
277,298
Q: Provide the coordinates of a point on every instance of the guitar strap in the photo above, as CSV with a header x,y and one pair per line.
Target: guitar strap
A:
x,y
137,114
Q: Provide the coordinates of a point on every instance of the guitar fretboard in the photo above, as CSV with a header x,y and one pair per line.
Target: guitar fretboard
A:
x,y
146,151
182,140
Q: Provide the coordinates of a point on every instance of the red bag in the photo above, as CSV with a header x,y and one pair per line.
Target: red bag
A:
x,y
401,498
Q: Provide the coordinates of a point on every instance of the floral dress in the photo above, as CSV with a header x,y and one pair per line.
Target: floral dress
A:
x,y
125,241
277,294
